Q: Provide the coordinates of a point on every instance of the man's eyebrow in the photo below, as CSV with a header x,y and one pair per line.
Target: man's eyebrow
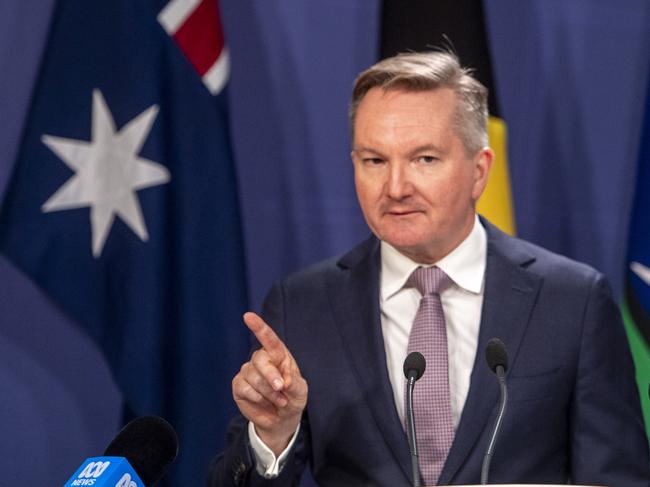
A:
x,y
366,149
412,152
425,148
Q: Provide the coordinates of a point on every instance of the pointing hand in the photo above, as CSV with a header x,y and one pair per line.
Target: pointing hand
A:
x,y
269,390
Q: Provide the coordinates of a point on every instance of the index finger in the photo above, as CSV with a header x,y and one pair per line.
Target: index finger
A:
x,y
276,349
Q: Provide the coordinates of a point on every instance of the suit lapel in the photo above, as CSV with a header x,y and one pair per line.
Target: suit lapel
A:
x,y
354,294
510,294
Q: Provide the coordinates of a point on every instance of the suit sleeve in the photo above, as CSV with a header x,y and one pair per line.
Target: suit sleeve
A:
x,y
608,439
235,466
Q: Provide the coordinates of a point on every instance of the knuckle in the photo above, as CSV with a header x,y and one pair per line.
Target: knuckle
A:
x,y
260,383
259,357
237,390
265,330
249,393
244,368
236,381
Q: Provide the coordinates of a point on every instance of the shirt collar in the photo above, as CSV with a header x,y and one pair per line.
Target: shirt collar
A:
x,y
465,265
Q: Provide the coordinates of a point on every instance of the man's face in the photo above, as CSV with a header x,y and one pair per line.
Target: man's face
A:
x,y
415,182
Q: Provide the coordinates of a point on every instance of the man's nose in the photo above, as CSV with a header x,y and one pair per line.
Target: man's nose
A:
x,y
399,184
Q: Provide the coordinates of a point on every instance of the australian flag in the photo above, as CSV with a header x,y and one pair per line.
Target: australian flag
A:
x,y
123,206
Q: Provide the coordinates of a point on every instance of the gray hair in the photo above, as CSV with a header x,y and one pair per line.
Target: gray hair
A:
x,y
424,71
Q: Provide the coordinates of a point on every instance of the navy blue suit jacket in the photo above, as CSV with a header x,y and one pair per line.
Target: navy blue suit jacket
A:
x,y
573,413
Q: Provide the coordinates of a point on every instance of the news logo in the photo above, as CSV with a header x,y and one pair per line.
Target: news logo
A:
x,y
93,471
126,481
105,472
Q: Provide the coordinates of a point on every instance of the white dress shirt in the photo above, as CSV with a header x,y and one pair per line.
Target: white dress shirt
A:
x,y
461,304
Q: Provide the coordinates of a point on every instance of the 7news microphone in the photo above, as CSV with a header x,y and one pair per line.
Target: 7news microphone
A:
x,y
497,359
137,457
414,366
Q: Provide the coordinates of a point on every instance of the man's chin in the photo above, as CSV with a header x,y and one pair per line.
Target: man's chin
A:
x,y
412,248
415,246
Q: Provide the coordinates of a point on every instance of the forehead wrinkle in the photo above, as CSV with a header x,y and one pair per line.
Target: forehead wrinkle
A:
x,y
396,121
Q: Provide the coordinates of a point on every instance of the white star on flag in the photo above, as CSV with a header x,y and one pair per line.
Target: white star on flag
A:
x,y
642,271
108,172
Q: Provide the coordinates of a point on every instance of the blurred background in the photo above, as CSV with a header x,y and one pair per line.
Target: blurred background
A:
x,y
260,184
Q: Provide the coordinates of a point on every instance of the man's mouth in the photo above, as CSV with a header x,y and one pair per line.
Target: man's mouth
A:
x,y
402,212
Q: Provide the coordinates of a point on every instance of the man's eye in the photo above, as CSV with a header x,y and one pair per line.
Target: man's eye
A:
x,y
427,159
373,161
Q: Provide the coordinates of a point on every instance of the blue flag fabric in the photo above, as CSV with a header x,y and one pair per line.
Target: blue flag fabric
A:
x,y
638,261
123,208
636,302
572,142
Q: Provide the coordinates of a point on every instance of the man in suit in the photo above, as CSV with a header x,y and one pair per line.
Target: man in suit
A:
x,y
325,387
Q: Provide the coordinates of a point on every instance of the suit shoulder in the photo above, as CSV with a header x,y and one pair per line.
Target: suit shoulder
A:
x,y
311,273
318,271
543,262
551,263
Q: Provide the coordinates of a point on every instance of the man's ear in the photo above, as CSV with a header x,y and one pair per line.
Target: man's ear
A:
x,y
482,163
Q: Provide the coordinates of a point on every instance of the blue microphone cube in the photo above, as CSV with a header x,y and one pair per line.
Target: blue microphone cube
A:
x,y
105,472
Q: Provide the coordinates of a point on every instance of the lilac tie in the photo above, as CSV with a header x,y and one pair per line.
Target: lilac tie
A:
x,y
431,402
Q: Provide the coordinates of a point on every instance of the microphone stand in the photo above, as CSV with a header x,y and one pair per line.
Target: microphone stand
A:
x,y
410,430
500,371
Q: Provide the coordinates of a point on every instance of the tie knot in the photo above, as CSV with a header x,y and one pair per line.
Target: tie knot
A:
x,y
429,280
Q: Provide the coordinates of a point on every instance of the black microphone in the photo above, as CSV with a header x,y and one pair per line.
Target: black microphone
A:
x,y
150,445
497,359
414,366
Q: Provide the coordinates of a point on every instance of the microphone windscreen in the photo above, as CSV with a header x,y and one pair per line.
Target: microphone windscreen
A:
x,y
495,354
150,445
414,362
